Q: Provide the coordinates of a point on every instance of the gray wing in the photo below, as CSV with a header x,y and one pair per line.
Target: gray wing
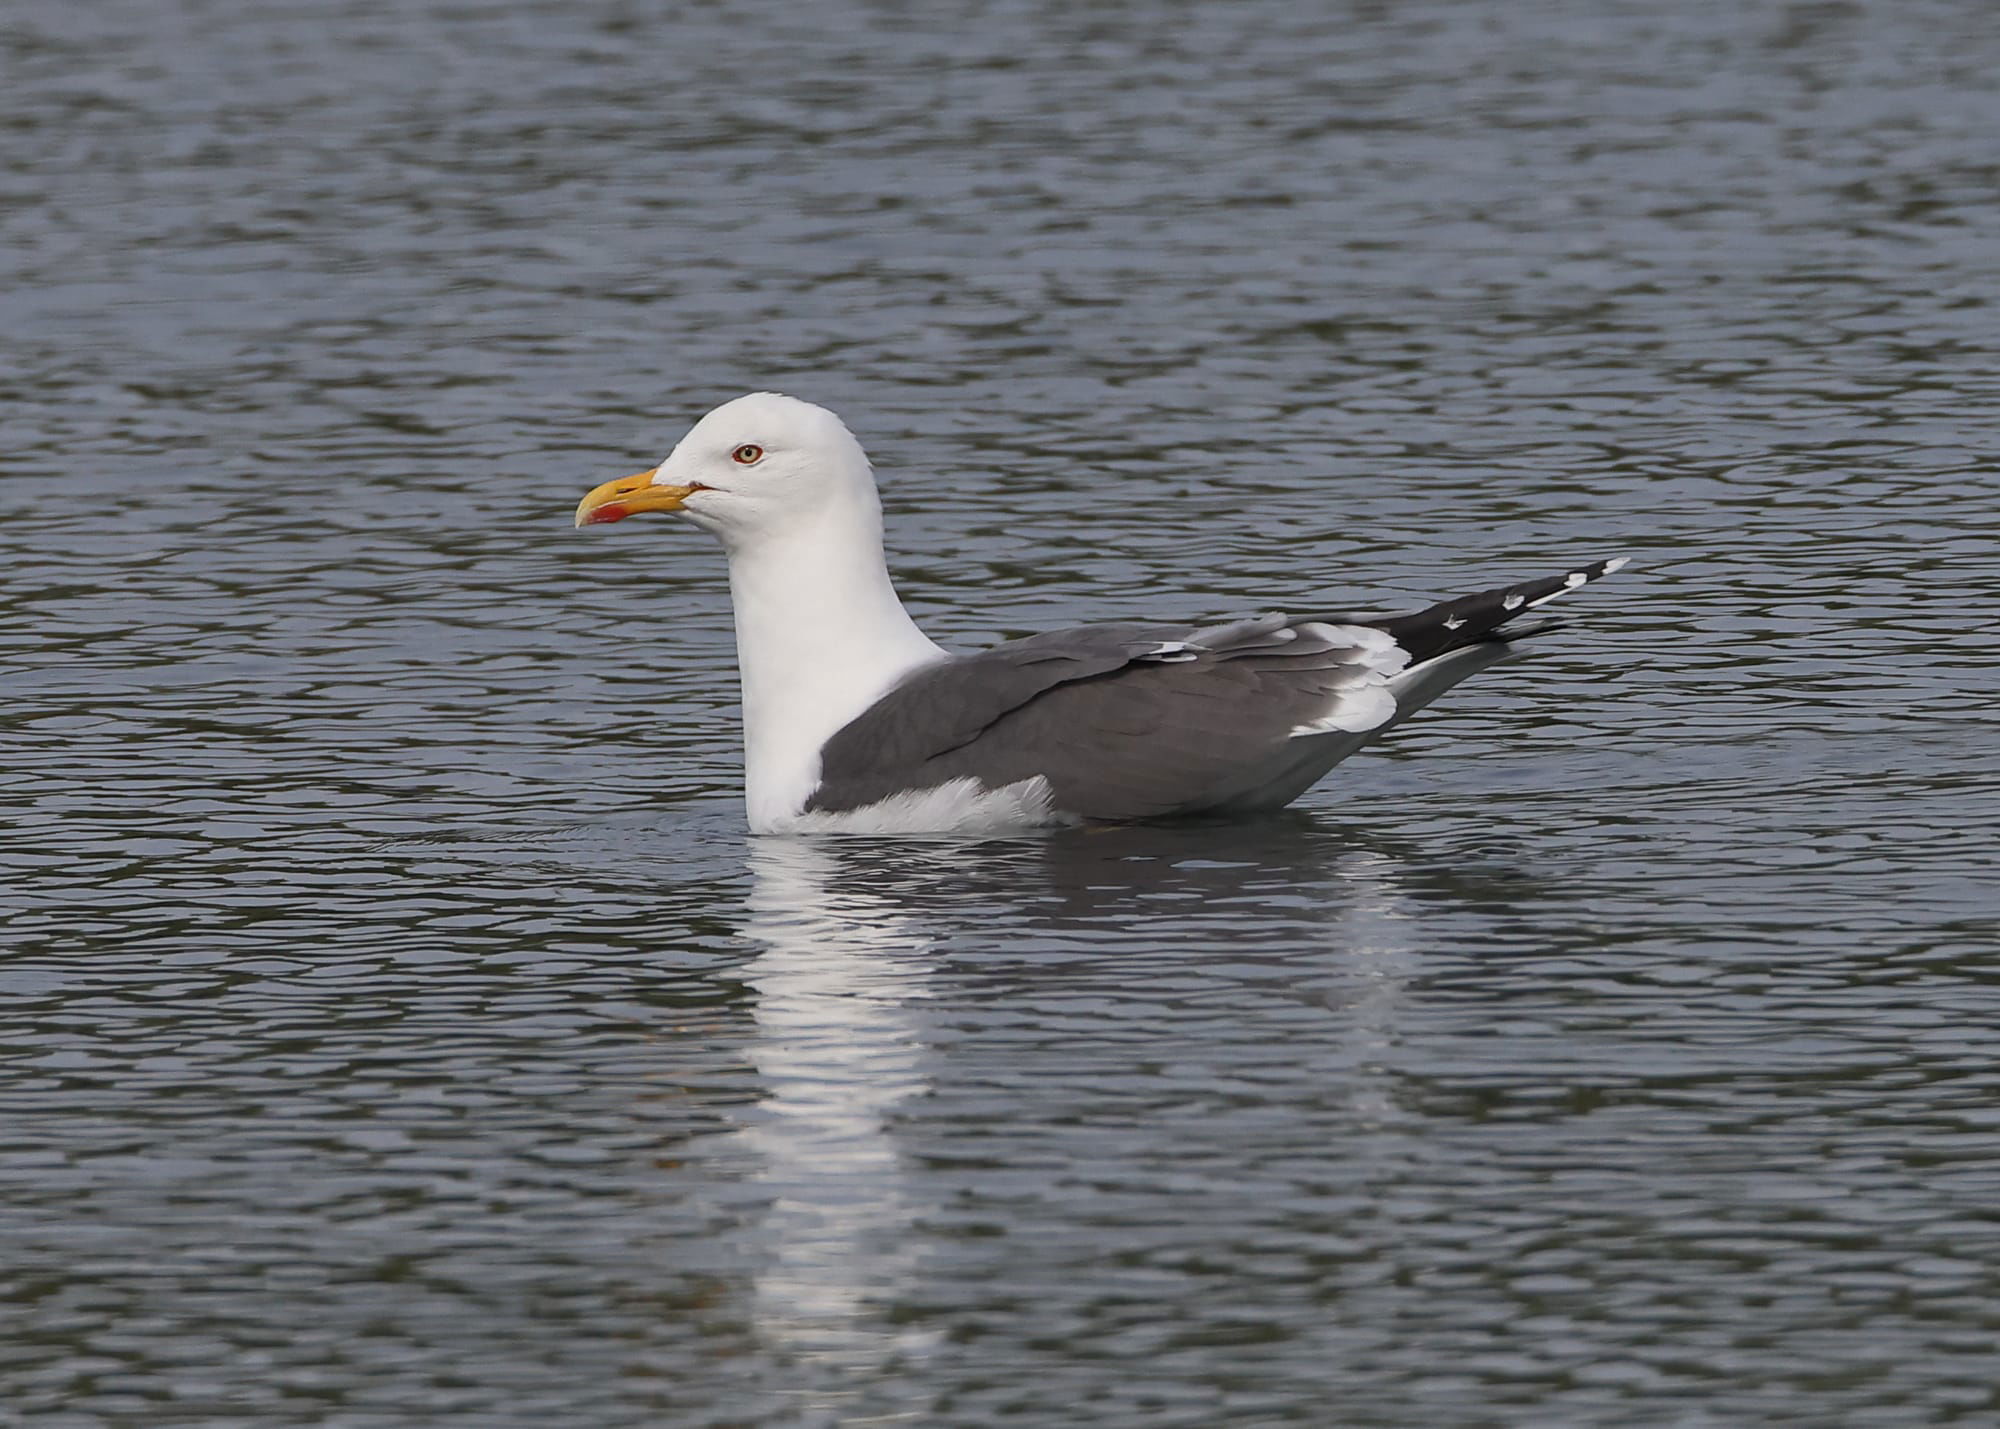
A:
x,y
1124,721
1133,721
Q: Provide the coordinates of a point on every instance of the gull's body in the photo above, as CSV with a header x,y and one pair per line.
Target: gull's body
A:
x,y
855,720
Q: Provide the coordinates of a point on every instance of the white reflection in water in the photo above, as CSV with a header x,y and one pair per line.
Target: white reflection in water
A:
x,y
844,964
838,1050
1374,938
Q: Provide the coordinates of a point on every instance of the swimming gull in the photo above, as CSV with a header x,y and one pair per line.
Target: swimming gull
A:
x,y
854,720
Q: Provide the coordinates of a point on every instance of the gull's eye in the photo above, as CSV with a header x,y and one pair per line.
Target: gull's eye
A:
x,y
749,454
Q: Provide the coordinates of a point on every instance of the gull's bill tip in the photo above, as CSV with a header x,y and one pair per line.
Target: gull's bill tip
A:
x,y
627,496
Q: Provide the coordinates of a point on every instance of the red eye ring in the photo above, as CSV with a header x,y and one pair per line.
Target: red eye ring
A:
x,y
749,454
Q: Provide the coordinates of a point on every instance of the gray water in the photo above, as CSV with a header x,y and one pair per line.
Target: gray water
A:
x,y
401,1028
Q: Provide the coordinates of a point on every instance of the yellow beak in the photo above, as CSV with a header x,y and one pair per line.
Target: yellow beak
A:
x,y
628,496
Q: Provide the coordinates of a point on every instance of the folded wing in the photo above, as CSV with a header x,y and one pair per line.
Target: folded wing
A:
x,y
1135,721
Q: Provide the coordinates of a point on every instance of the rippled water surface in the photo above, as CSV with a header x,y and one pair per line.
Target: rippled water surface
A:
x,y
401,1028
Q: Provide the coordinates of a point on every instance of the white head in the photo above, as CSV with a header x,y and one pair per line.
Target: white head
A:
x,y
759,465
820,633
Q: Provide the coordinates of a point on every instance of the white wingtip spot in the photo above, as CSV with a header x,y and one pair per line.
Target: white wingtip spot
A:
x,y
1616,563
1512,601
1454,622
1574,579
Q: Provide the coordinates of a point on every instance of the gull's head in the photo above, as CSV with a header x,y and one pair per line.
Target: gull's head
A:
x,y
759,464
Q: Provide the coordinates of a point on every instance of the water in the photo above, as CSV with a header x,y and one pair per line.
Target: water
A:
x,y
401,1028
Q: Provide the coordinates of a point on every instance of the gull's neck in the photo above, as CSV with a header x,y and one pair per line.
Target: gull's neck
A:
x,y
820,636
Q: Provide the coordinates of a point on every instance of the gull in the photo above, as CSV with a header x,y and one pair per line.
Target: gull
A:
x,y
855,721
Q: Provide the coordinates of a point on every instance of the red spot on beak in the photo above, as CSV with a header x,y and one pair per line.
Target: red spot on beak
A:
x,y
609,511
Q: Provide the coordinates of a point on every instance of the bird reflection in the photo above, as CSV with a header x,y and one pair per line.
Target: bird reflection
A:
x,y
863,947
838,1049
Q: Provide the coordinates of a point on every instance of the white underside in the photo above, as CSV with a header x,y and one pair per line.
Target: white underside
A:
x,y
961,806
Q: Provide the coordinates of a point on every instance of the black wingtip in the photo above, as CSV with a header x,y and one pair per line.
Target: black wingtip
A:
x,y
1483,618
